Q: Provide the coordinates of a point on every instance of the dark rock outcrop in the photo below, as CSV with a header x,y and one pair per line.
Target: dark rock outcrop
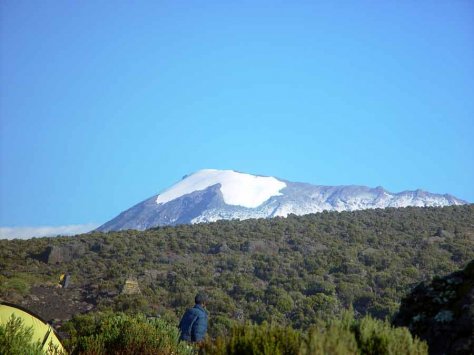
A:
x,y
442,313
61,254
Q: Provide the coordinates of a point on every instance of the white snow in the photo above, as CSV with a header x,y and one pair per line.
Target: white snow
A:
x,y
237,188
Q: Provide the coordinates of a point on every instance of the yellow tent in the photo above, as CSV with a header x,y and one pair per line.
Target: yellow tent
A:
x,y
42,331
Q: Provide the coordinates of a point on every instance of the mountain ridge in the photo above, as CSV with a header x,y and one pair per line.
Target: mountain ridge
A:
x,y
209,195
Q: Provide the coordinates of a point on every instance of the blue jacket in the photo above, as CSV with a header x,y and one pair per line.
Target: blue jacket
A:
x,y
193,325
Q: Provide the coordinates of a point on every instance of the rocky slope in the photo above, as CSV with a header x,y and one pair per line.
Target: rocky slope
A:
x,y
442,313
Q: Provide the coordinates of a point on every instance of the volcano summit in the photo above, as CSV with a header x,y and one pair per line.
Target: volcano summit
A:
x,y
210,195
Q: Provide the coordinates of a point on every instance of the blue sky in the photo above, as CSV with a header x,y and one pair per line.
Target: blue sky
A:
x,y
106,103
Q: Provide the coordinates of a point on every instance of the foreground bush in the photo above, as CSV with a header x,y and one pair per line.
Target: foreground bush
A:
x,y
16,338
379,337
255,339
337,337
118,333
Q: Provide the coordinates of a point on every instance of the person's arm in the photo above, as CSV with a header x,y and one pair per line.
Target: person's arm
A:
x,y
199,328
180,326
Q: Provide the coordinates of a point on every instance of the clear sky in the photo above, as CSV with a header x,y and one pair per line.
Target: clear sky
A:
x,y
106,103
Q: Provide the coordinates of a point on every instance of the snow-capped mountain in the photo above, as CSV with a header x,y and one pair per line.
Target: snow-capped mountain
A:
x,y
210,195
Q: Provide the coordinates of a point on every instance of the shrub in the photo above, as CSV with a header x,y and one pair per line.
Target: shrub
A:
x,y
15,338
340,336
379,337
335,338
255,339
112,333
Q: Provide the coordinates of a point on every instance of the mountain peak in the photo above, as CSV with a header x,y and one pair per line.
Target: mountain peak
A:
x,y
238,189
209,195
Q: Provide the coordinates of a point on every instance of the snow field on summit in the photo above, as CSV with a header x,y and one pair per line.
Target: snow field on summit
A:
x,y
237,189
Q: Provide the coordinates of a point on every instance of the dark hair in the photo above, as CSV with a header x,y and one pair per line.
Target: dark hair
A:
x,y
200,298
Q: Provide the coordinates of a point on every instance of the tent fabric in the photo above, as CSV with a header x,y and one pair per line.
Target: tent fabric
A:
x,y
42,331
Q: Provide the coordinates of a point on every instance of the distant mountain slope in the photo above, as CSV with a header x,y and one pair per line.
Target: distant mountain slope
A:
x,y
211,195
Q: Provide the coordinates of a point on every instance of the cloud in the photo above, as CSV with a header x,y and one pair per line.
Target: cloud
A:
x,y
45,231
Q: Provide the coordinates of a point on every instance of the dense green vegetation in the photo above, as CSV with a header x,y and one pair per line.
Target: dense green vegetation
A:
x,y
339,336
288,271
119,333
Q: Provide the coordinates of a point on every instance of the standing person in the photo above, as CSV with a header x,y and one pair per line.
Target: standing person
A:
x,y
193,325
66,280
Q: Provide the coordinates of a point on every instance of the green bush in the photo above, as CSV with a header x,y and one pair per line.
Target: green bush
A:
x,y
335,338
255,339
379,337
112,333
340,336
15,338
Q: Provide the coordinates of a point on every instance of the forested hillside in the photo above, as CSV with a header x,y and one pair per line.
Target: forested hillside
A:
x,y
292,271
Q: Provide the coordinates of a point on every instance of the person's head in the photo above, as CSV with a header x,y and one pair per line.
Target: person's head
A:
x,y
201,299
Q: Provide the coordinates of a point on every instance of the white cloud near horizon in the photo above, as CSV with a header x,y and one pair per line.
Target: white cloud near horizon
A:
x,y
45,231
